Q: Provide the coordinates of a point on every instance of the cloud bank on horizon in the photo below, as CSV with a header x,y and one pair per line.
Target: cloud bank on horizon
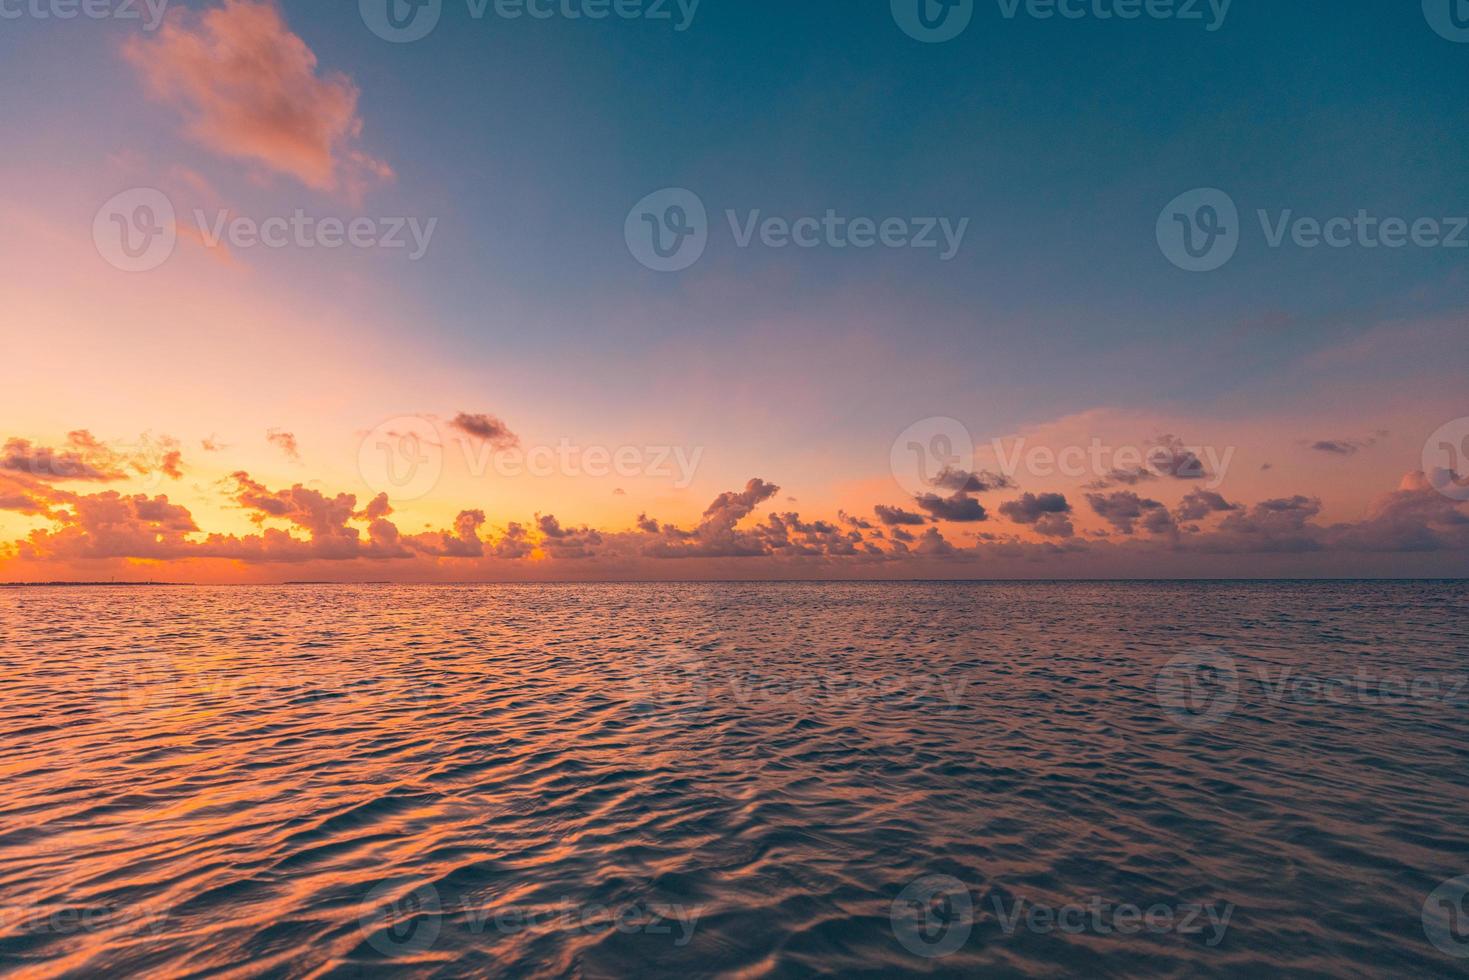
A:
x,y
90,533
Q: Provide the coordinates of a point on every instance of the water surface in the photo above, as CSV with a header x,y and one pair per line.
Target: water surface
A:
x,y
754,780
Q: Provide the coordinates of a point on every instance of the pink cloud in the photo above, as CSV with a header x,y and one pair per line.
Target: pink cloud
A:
x,y
249,88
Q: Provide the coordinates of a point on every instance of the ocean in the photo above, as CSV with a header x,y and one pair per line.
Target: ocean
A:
x,y
956,779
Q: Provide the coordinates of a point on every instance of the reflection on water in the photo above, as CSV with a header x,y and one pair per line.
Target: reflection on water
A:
x,y
1014,779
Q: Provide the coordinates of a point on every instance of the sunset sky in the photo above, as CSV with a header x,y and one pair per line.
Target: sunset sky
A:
x,y
226,415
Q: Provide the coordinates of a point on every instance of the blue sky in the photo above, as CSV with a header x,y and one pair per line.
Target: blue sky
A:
x,y
1058,141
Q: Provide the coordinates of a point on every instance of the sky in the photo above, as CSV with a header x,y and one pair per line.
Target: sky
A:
x,y
583,289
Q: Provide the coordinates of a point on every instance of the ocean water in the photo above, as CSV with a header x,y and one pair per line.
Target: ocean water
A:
x,y
1027,780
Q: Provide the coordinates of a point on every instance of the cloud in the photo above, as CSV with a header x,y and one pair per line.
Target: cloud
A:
x,y
83,460
1047,513
1125,509
565,543
249,88
1344,447
963,481
1121,477
1170,457
894,516
717,535
485,427
463,542
300,524
285,442
1198,504
960,507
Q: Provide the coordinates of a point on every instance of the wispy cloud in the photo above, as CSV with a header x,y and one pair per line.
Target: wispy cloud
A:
x,y
250,88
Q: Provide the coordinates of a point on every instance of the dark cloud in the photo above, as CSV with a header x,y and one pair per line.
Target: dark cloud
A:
x,y
1047,513
962,481
84,460
1169,457
486,427
1125,509
1126,478
717,536
894,516
564,542
1198,504
959,508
